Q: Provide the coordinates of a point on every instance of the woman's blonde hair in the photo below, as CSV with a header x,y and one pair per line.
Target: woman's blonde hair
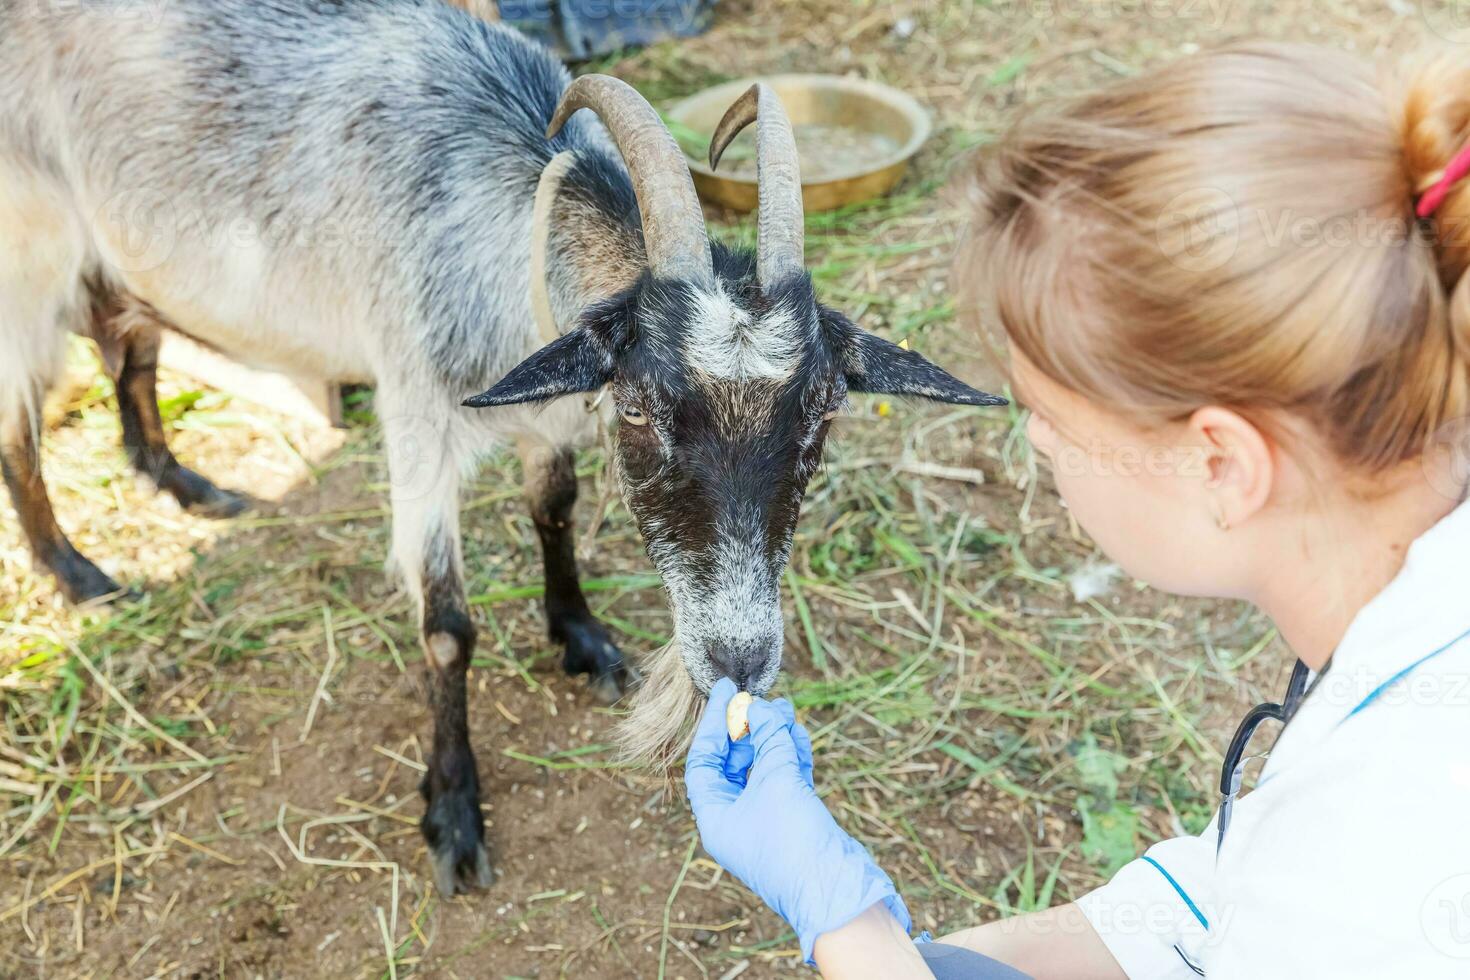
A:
x,y
1237,228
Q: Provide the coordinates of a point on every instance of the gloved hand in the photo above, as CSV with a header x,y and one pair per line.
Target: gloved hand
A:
x,y
768,827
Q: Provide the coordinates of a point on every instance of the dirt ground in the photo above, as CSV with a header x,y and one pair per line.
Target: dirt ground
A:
x,y
221,780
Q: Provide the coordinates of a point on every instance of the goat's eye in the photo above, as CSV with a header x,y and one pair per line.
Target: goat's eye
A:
x,y
633,416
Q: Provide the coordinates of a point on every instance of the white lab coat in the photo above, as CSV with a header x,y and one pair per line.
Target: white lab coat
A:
x,y
1351,858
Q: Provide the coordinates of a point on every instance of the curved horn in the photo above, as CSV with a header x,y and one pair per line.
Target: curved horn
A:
x,y
782,249
673,222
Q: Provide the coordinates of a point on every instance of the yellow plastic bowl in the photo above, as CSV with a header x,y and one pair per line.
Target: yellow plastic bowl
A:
x,y
826,100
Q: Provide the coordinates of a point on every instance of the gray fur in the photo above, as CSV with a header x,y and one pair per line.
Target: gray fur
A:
x,y
338,188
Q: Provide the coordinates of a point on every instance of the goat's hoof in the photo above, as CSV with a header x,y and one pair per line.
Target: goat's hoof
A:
x,y
606,690
456,875
590,651
85,585
455,832
610,689
199,496
223,505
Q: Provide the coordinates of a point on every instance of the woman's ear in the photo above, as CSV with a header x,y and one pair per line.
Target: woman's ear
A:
x,y
1240,468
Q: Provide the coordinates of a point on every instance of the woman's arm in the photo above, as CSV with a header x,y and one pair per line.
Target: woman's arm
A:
x,y
1054,944
872,945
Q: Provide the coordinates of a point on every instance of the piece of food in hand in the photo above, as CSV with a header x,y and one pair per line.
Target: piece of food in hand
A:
x,y
736,713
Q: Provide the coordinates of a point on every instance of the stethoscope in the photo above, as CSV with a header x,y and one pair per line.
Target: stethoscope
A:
x,y
1235,758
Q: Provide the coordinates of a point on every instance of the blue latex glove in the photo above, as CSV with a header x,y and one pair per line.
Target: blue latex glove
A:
x,y
768,827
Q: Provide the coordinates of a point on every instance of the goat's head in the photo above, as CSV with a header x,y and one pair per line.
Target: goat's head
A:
x,y
725,372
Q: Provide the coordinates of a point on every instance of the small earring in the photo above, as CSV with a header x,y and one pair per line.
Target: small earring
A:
x,y
1220,520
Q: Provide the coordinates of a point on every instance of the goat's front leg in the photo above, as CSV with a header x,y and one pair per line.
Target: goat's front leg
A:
x,y
426,551
143,436
452,823
551,491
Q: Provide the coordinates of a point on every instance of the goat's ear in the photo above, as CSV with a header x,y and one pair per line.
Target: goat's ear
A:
x,y
875,366
575,362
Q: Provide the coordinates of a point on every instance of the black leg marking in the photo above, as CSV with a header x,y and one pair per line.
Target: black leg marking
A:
x,y
452,824
20,459
551,488
144,439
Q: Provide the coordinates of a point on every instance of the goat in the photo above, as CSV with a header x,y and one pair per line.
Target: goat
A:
x,y
369,190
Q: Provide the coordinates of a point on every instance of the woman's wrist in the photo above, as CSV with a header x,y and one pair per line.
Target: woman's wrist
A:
x,y
849,883
874,944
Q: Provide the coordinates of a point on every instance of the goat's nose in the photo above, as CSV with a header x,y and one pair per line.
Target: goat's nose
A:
x,y
743,663
733,664
750,663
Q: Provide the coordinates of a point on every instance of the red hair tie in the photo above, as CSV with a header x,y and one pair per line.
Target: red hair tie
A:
x,y
1431,199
